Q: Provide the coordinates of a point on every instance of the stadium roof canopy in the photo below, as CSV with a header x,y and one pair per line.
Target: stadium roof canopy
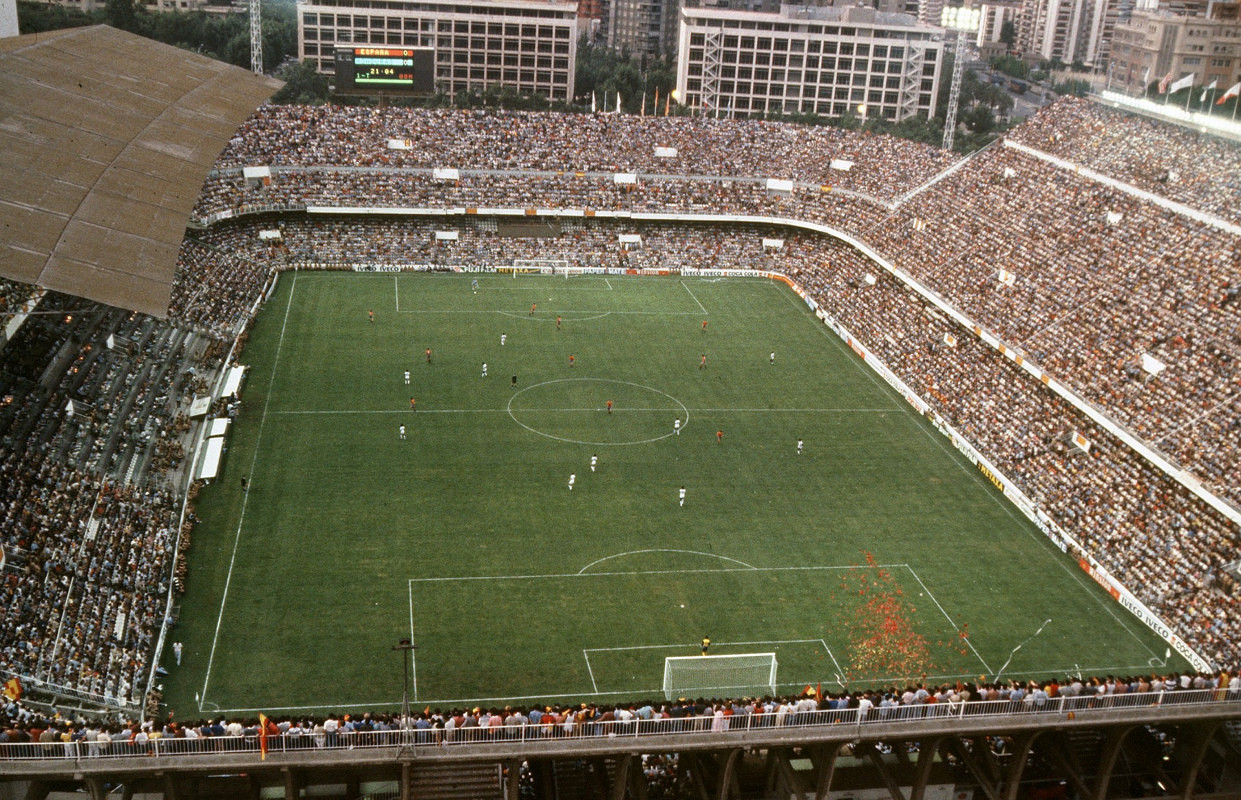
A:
x,y
105,140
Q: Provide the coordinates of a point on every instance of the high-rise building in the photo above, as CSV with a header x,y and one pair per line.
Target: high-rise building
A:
x,y
1068,31
809,60
643,27
1159,43
529,46
992,19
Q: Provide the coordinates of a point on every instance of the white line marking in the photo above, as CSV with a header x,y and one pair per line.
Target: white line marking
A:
x,y
396,288
591,410
839,670
684,411
413,657
594,686
663,550
586,315
609,283
245,495
691,645
1023,643
931,595
1057,558
894,680
843,348
648,572
691,294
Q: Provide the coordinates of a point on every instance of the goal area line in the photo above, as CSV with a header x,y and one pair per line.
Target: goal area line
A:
x,y
620,667
888,680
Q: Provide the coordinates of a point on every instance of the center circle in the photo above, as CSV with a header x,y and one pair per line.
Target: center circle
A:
x,y
574,410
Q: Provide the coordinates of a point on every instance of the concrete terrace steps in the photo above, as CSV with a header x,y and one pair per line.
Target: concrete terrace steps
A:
x,y
457,781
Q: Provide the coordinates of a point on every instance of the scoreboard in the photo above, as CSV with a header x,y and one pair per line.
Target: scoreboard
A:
x,y
371,70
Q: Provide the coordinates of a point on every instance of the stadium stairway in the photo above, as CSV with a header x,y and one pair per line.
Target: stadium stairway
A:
x,y
457,781
574,779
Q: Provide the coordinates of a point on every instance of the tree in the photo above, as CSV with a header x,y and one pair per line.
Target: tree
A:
x,y
1079,88
603,73
221,36
303,85
979,119
37,17
1010,65
1008,33
122,14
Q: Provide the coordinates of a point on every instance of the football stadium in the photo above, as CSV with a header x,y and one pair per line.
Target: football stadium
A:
x,y
485,454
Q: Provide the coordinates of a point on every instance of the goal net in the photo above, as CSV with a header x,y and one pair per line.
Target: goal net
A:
x,y
743,674
547,266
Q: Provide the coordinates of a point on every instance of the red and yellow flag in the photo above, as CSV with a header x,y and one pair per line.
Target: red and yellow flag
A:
x,y
263,723
13,688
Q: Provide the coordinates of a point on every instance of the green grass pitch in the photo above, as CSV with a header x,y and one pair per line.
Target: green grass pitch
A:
x,y
467,536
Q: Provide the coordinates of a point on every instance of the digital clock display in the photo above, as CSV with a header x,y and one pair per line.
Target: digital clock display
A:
x,y
371,69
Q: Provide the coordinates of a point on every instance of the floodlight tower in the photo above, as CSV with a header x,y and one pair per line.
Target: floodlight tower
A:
x,y
256,38
962,20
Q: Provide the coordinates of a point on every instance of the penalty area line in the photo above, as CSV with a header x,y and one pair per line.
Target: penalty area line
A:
x,y
696,300
594,686
931,595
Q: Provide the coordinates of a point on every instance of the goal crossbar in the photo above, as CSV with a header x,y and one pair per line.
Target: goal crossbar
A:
x,y
740,673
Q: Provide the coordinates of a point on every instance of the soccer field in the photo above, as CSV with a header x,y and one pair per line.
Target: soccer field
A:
x,y
467,537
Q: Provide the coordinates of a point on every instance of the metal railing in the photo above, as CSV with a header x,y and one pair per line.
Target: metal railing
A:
x,y
868,724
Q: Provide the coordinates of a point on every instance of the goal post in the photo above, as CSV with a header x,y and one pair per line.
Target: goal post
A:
x,y
740,674
546,266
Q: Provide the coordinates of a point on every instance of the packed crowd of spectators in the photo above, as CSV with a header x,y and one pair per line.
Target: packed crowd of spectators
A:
x,y
343,242
882,166
13,295
43,737
215,289
1092,280
294,188
1180,164
1153,535
92,400
1084,280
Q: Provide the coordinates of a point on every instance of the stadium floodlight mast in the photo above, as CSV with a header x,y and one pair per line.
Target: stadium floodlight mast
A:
x,y
256,38
405,645
962,20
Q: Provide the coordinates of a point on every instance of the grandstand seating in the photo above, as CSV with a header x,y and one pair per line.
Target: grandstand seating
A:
x,y
88,501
